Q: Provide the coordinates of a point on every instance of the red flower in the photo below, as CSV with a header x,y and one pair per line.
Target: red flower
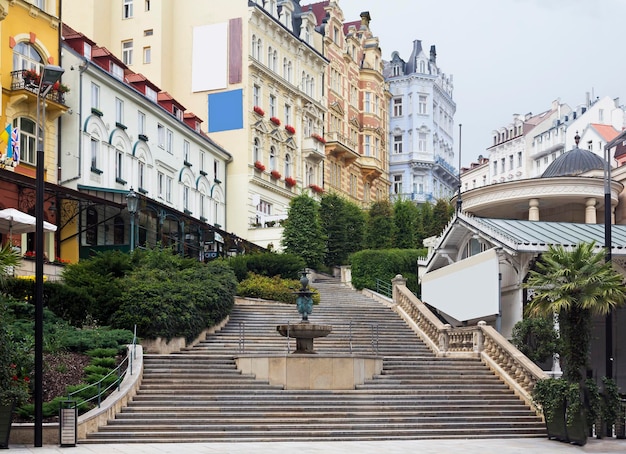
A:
x,y
259,111
27,379
275,120
318,138
290,181
290,129
15,378
275,174
259,165
316,188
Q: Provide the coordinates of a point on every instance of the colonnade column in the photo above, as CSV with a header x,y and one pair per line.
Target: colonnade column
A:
x,y
590,211
533,210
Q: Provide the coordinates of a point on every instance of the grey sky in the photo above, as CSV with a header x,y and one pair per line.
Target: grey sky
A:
x,y
508,56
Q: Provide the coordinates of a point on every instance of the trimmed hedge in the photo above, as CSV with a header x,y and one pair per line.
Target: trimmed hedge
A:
x,y
285,265
384,264
272,288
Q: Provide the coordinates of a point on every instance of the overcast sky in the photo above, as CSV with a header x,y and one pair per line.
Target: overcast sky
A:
x,y
508,56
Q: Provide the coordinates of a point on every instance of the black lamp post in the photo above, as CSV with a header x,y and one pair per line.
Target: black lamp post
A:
x,y
49,76
132,200
608,219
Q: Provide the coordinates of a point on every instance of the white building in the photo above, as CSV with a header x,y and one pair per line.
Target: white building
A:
x,y
421,127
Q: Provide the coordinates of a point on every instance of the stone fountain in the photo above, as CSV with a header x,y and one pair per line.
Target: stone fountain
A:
x,y
305,331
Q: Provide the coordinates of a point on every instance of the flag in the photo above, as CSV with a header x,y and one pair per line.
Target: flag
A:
x,y
4,135
15,145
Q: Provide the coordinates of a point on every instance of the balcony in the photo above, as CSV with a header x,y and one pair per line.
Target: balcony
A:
x,y
23,80
371,168
340,147
313,149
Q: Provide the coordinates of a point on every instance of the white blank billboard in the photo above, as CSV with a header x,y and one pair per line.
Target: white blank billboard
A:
x,y
465,290
209,57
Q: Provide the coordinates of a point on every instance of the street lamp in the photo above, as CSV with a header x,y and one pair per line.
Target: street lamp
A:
x,y
608,219
49,76
131,204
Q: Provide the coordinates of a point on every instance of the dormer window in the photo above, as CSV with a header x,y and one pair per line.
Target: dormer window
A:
x,y
151,94
197,128
117,71
87,51
177,113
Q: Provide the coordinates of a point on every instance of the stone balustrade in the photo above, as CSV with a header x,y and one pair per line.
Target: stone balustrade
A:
x,y
481,341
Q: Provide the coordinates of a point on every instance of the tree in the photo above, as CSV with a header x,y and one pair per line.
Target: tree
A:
x,y
380,229
442,212
334,224
405,216
355,226
302,233
575,284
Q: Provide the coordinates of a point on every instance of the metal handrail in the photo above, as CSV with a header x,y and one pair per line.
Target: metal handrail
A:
x,y
128,361
384,287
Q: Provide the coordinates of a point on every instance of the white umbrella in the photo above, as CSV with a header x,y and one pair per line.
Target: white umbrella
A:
x,y
16,221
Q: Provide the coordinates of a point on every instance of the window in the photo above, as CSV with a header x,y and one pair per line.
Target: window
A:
x,y
186,197
519,159
272,106
495,167
141,174
422,105
87,51
28,140
41,4
119,111
254,48
367,102
148,32
422,141
273,158
169,144
151,94
169,182
91,232
127,52
397,144
160,184
256,150
186,147
287,114
161,135
397,107
95,146
119,161
147,5
141,122
367,145
502,165
147,55
287,165
128,9
117,71
216,169
256,95
95,96
511,162
201,160
397,184
26,56
354,185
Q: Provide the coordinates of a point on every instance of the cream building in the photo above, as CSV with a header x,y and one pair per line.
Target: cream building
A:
x,y
253,70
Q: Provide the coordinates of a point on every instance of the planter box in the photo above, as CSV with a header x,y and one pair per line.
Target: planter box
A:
x,y
6,414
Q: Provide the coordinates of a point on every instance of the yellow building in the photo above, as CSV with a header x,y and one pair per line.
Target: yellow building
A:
x,y
30,40
253,70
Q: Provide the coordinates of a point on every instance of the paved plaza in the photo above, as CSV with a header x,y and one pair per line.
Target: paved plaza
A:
x,y
489,446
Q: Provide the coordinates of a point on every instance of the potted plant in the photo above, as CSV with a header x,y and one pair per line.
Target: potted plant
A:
x,y
259,166
31,77
610,405
275,174
290,129
259,111
550,395
290,181
315,188
319,138
275,120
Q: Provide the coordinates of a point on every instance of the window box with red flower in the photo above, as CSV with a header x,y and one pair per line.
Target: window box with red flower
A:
x,y
275,174
31,77
259,166
290,182
275,120
259,111
316,188
319,138
290,129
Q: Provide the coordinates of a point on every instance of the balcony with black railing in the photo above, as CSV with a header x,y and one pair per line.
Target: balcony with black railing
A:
x,y
26,79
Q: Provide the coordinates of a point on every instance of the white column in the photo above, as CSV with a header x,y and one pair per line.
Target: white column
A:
x,y
590,211
533,210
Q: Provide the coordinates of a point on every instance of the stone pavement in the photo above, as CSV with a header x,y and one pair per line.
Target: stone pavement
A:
x,y
482,446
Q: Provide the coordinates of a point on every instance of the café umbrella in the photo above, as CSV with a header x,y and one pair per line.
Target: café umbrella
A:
x,y
16,221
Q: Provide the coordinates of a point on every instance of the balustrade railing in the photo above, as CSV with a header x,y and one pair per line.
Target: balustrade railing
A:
x,y
482,341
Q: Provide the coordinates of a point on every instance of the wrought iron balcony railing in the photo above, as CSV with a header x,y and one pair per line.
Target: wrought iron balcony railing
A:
x,y
24,79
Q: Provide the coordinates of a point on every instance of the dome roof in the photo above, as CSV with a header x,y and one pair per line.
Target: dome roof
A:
x,y
573,163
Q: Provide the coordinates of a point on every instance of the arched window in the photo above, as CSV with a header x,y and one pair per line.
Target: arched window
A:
x,y
25,56
256,150
273,158
270,52
287,165
254,48
259,50
289,71
285,68
28,140
422,67
310,175
274,60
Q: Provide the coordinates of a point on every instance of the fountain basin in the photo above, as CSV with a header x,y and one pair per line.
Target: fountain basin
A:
x,y
304,333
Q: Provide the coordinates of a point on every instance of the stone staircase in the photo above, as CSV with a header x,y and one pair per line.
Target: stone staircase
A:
x,y
199,395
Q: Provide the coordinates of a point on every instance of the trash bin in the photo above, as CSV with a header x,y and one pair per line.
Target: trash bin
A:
x,y
68,419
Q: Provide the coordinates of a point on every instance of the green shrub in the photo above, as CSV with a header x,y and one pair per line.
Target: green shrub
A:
x,y
536,338
97,369
384,264
272,288
102,352
104,362
269,264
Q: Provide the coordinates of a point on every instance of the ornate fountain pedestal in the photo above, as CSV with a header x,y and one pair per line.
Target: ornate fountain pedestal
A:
x,y
304,333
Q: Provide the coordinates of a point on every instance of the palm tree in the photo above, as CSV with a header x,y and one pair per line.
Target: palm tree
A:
x,y
575,284
8,258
